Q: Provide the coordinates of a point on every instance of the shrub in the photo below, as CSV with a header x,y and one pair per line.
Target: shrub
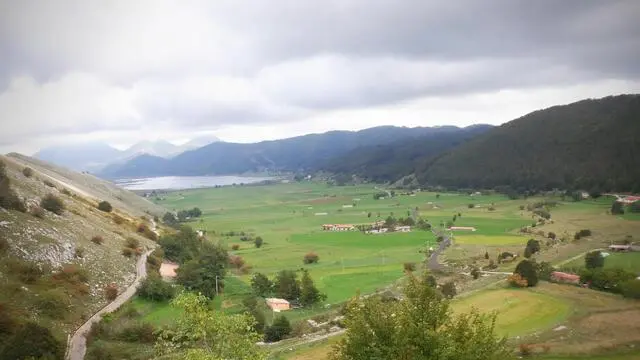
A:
x,y
28,272
32,341
72,273
132,243
4,246
236,261
52,203
66,191
142,228
48,183
630,289
449,289
544,270
128,252
138,333
527,270
525,349
471,206
521,207
235,247
53,303
118,220
617,208
105,206
28,172
542,213
279,330
582,233
97,240
516,280
475,273
409,266
155,289
492,208
79,252
37,211
551,235
258,242
311,258
111,292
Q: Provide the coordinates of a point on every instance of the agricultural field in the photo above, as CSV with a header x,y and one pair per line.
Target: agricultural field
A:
x,y
289,217
628,261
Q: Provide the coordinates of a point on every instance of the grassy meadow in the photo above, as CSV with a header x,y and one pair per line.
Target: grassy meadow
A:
x,y
289,217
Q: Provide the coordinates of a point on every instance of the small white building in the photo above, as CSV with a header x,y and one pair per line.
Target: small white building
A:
x,y
403,228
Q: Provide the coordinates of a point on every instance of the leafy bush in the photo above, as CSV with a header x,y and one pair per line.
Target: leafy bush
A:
x,y
261,285
97,240
449,289
48,183
52,203
527,270
311,258
32,341
138,333
72,273
630,289
27,271
279,330
28,172
105,206
53,303
37,211
617,208
79,252
132,243
66,191
542,213
551,235
582,233
258,242
409,266
516,280
606,279
117,219
235,247
111,292
475,273
128,252
544,270
155,289
471,206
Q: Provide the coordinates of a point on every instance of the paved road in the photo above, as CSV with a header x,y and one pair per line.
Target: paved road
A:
x,y
433,263
78,343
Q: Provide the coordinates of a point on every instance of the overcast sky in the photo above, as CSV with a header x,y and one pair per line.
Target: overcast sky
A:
x,y
122,71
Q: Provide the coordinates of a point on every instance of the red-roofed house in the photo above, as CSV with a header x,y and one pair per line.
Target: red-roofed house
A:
x,y
565,277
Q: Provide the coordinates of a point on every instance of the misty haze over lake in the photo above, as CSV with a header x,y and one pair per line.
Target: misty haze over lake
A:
x,y
185,182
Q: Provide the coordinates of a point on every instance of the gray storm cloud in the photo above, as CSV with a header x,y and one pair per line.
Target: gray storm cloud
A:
x,y
79,66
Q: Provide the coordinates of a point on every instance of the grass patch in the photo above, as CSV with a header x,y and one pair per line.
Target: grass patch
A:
x,y
520,311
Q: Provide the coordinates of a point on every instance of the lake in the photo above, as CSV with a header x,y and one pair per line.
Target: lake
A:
x,y
186,182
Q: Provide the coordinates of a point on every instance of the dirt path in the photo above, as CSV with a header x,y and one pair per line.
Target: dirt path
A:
x,y
78,343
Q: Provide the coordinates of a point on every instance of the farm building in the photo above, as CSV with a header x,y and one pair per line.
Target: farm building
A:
x,y
462,228
620,247
629,199
403,228
278,305
565,277
378,231
338,227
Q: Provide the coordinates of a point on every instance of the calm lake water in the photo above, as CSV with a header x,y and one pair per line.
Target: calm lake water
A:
x,y
185,182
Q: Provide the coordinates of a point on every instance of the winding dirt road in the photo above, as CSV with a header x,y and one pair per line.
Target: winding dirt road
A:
x,y
78,343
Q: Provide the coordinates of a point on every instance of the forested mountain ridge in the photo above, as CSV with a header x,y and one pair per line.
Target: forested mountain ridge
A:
x,y
390,162
292,154
590,144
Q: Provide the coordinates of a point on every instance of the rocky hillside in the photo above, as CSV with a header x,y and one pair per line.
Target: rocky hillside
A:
x,y
58,256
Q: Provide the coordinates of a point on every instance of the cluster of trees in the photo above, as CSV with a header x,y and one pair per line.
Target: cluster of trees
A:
x,y
615,280
174,220
203,264
618,208
287,286
421,326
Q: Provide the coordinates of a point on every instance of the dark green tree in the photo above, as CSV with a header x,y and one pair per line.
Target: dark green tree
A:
x,y
205,273
449,290
593,260
286,285
105,206
309,294
527,269
280,329
258,242
533,246
261,285
155,289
